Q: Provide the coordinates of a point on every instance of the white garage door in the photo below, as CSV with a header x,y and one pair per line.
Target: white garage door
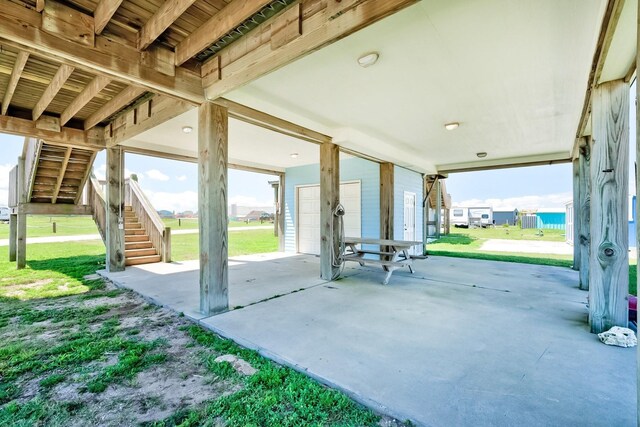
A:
x,y
308,210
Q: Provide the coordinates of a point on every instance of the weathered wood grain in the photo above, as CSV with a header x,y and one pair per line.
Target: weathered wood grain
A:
x,y
21,233
609,258
576,214
213,136
386,204
115,210
584,214
329,199
13,234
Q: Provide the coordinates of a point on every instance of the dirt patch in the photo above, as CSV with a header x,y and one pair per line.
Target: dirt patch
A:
x,y
19,290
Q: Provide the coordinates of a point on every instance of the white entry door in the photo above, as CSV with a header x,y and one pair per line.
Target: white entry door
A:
x,y
409,216
308,214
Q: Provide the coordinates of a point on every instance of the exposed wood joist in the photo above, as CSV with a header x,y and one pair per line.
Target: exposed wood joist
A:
x,y
103,13
241,63
267,121
168,12
121,100
63,169
57,209
52,90
18,66
226,20
92,139
145,116
21,28
89,92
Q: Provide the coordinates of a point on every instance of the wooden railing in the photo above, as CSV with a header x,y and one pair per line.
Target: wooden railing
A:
x,y
31,154
95,198
151,222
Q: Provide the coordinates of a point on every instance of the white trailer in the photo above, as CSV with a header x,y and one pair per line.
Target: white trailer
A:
x,y
482,216
459,217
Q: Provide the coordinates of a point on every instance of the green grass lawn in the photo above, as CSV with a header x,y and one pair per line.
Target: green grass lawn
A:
x,y
185,246
76,352
42,226
465,243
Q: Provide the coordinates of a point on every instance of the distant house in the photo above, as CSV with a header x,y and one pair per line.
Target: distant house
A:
x,y
187,214
166,214
551,219
255,215
240,213
505,216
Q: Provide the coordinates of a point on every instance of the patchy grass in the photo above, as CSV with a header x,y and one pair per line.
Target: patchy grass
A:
x,y
510,232
185,246
192,223
78,352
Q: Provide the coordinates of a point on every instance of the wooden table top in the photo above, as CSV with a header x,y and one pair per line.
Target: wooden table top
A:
x,y
381,242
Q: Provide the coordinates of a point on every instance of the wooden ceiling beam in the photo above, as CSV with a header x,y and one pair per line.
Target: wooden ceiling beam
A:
x,y
22,28
91,140
52,90
89,92
18,66
289,36
226,20
121,100
161,20
103,13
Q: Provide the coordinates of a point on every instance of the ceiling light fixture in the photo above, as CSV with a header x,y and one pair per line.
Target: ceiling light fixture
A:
x,y
481,154
294,155
187,129
368,59
451,126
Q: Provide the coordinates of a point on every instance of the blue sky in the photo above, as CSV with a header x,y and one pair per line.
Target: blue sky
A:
x,y
172,185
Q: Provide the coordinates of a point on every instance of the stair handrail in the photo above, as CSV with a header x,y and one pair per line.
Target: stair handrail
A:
x,y
159,234
31,154
96,199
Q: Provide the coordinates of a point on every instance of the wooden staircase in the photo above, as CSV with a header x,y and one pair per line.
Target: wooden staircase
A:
x,y
138,246
58,174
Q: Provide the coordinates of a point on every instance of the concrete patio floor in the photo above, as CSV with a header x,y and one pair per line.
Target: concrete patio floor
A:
x,y
461,342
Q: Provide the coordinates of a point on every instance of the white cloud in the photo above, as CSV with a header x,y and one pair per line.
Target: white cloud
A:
x,y
155,174
181,178
101,173
178,202
249,201
553,201
4,183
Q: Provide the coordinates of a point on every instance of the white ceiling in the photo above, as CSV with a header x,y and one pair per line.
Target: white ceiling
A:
x,y
249,145
513,73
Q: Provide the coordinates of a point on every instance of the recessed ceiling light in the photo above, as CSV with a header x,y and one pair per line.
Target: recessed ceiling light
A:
x,y
294,155
451,126
481,154
187,129
368,59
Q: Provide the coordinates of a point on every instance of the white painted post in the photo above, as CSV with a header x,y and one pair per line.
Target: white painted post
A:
x,y
21,232
213,135
609,258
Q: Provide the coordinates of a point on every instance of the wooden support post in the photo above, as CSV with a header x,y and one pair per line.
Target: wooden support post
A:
x,y
21,232
584,214
438,208
577,203
281,213
213,131
425,214
637,199
329,199
114,199
13,236
276,215
387,205
609,258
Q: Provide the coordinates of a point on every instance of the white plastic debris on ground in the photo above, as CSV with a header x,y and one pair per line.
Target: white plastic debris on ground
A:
x,y
622,337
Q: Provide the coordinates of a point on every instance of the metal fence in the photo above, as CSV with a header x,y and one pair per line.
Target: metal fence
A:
x,y
528,221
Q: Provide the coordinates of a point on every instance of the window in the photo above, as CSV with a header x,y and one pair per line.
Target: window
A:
x,y
458,212
485,216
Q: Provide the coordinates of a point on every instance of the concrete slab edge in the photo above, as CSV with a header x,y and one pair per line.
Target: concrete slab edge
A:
x,y
372,404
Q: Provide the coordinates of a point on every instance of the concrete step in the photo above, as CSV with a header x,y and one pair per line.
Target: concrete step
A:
x,y
143,260
138,245
135,253
133,232
136,238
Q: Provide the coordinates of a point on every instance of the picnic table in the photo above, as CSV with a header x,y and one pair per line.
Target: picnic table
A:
x,y
393,255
